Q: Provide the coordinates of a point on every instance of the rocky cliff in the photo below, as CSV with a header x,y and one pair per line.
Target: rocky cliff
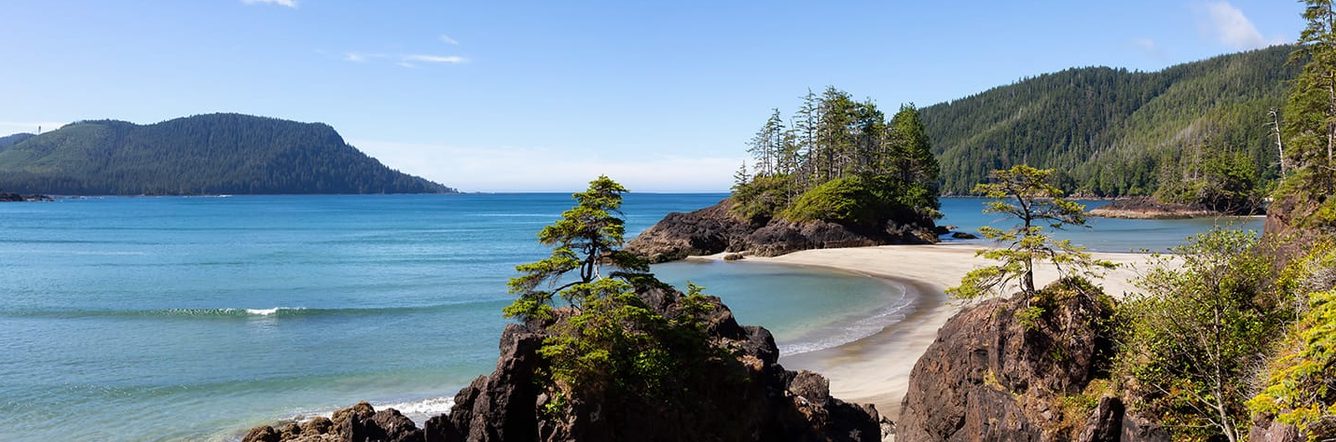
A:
x,y
746,396
992,375
715,229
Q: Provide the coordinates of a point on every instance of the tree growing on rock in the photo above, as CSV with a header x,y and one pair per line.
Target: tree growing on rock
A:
x,y
587,241
1027,194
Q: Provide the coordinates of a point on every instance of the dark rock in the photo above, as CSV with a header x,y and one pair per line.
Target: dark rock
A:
x,y
1139,429
17,198
317,425
747,396
715,230
990,377
1106,423
262,433
289,431
392,426
733,257
963,235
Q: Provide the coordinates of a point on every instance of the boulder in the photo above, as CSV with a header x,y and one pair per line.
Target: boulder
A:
x,y
992,376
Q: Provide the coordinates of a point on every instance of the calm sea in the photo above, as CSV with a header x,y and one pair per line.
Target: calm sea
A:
x,y
194,318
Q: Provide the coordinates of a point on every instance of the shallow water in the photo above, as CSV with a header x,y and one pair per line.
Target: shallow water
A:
x,y
176,318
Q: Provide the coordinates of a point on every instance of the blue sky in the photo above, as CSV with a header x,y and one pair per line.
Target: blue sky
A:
x,y
544,95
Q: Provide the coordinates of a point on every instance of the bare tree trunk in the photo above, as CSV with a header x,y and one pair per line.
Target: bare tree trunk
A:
x,y
1275,130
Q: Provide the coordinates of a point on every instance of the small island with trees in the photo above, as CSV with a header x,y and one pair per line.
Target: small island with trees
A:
x,y
838,174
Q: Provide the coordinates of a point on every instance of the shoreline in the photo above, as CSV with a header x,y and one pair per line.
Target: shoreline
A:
x,y
875,369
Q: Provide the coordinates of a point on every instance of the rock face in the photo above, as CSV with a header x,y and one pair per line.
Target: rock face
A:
x,y
714,229
991,376
358,423
747,396
760,401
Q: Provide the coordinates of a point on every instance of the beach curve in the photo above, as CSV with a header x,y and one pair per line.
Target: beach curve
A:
x,y
875,369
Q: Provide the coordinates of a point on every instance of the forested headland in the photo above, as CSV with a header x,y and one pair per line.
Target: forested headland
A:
x,y
1114,132
203,154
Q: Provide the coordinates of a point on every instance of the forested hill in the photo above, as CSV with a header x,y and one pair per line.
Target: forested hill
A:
x,y
203,154
1111,131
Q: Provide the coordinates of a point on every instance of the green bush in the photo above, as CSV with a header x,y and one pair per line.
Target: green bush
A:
x,y
861,201
763,197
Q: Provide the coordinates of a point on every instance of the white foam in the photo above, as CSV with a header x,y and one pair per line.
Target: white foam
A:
x,y
426,407
262,311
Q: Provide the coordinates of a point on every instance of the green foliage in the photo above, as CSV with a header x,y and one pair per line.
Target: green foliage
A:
x,y
1108,129
1195,334
761,198
1221,181
587,238
872,170
1300,384
863,201
616,346
1038,204
205,154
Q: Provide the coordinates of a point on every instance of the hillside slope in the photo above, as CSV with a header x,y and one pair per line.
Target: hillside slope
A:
x,y
203,154
1109,129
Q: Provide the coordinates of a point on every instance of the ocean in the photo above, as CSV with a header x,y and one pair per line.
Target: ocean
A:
x,y
193,318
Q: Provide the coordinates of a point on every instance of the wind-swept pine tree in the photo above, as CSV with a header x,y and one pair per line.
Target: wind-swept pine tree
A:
x,y
587,240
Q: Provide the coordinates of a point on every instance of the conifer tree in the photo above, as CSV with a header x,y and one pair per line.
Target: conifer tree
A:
x,y
587,240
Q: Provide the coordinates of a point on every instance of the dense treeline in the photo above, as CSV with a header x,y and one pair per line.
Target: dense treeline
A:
x,y
839,159
1113,132
205,154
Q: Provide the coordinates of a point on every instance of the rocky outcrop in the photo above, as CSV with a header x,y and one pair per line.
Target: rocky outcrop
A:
x,y
750,397
746,396
992,376
17,198
715,229
1150,208
358,423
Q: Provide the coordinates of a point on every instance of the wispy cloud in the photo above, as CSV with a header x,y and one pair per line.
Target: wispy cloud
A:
x,y
287,3
1228,25
403,60
449,59
449,40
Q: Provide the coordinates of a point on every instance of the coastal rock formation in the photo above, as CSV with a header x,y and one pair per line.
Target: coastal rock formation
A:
x,y
358,423
715,229
746,396
992,376
17,198
750,398
1150,208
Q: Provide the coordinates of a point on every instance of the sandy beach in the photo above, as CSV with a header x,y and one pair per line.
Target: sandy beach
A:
x,y
876,369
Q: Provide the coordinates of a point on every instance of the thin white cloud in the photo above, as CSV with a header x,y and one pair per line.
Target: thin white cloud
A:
x,y
1228,25
403,60
510,169
449,40
449,59
287,3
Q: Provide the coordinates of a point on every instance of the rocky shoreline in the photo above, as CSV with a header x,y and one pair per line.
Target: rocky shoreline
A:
x,y
6,197
1150,208
751,397
716,229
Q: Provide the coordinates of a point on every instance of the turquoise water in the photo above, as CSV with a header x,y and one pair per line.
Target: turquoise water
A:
x,y
191,318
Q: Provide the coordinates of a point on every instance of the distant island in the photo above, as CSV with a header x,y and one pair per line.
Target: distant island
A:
x,y
202,154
